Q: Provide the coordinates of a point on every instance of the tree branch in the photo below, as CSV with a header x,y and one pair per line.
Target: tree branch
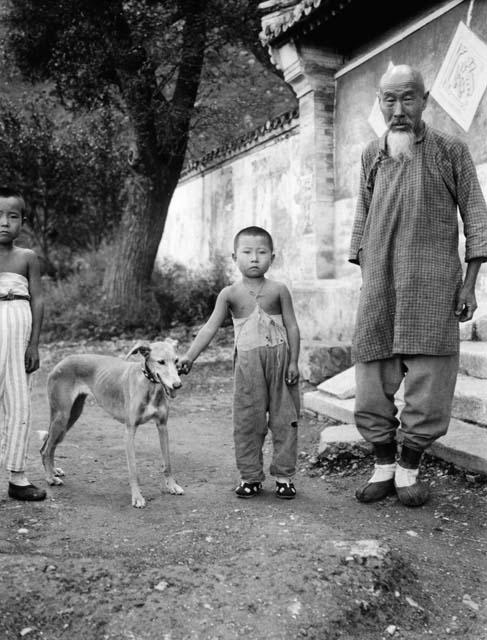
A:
x,y
187,84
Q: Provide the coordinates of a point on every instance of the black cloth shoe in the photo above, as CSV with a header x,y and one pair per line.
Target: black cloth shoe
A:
x,y
285,490
375,491
29,492
413,496
248,489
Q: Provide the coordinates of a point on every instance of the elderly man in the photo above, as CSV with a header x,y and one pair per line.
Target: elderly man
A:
x,y
405,239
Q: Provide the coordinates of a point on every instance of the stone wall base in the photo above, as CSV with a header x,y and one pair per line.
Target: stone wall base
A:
x,y
325,310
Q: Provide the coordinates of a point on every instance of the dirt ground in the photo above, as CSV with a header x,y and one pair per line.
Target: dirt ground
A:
x,y
87,565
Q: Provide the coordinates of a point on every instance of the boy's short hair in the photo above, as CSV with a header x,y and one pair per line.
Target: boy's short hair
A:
x,y
9,192
253,231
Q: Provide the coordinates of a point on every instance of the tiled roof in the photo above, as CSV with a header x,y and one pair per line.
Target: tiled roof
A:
x,y
278,16
282,122
289,13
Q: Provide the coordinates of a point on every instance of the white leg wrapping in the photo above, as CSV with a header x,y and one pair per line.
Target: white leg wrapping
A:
x,y
405,477
383,472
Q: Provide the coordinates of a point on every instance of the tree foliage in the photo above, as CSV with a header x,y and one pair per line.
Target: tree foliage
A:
x,y
140,56
70,175
144,59
90,48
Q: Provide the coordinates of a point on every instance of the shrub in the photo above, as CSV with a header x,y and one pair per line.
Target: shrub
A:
x,y
76,308
185,295
71,173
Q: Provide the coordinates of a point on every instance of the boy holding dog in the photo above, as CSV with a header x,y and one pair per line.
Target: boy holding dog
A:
x,y
266,353
21,310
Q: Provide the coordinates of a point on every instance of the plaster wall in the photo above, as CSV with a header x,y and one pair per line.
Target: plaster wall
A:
x,y
261,186
266,184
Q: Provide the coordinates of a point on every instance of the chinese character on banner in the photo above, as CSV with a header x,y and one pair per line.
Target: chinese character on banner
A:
x,y
462,79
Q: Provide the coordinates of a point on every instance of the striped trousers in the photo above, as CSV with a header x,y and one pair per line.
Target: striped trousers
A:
x,y
15,330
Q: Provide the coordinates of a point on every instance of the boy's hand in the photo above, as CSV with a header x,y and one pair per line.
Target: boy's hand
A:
x,y
184,365
292,373
31,358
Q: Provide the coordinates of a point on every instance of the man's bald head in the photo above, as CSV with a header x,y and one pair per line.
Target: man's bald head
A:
x,y
402,74
402,98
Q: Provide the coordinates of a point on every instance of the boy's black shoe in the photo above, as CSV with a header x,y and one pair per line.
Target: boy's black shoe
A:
x,y
248,489
28,493
285,490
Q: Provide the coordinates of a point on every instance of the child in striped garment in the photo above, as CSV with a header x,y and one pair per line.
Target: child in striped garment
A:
x,y
21,310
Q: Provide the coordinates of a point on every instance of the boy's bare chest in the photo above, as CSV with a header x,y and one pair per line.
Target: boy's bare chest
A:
x,y
243,303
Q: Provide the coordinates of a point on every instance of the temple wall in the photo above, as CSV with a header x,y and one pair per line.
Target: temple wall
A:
x,y
260,186
271,183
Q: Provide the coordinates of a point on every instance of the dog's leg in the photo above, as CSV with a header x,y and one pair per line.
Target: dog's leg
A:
x,y
171,484
137,498
62,418
57,429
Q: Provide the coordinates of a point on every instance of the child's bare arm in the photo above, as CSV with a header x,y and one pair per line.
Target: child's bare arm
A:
x,y
37,310
292,329
206,333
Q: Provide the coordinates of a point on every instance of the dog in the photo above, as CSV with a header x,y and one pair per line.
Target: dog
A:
x,y
130,393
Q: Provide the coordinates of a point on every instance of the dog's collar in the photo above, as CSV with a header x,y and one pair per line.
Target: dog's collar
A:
x,y
149,375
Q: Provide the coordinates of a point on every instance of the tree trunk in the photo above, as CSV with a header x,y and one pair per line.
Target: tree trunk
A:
x,y
127,280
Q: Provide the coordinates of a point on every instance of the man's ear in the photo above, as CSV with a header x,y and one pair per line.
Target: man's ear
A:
x,y
272,257
140,347
234,257
425,98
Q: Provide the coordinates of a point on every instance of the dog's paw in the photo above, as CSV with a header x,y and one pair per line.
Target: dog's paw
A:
x,y
173,487
58,471
54,480
138,501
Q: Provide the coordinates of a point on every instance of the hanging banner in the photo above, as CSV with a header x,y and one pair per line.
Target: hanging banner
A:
x,y
462,79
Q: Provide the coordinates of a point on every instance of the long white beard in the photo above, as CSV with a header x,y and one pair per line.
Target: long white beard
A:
x,y
400,145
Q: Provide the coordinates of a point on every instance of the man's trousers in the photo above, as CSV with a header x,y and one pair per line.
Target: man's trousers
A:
x,y
429,384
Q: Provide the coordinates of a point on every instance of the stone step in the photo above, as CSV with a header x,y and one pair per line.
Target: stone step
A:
x,y
324,404
465,445
469,402
470,399
473,359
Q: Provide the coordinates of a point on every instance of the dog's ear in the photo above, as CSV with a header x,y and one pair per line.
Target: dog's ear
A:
x,y
141,347
174,343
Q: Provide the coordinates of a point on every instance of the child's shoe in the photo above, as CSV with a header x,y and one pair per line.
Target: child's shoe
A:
x,y
27,492
248,489
285,490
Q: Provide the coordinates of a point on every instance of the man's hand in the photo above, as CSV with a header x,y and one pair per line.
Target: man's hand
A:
x,y
466,303
184,365
292,373
31,358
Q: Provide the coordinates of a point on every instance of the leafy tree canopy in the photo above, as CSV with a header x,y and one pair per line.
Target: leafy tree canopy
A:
x,y
108,51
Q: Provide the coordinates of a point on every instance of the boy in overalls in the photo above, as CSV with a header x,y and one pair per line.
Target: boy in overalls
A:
x,y
266,394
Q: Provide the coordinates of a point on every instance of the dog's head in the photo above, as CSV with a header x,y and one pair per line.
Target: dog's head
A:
x,y
161,361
